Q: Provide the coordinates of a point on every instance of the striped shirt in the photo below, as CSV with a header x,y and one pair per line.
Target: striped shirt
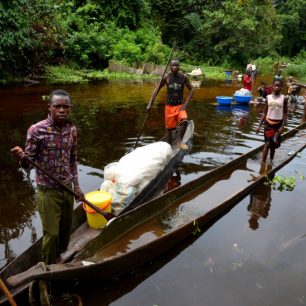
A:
x,y
55,150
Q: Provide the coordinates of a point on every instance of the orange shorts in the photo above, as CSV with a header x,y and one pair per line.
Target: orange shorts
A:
x,y
173,116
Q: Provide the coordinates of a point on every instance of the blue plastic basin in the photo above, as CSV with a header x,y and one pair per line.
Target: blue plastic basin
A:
x,y
224,100
242,99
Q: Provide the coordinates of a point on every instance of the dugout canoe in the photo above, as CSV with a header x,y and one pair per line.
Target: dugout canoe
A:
x,y
87,265
82,233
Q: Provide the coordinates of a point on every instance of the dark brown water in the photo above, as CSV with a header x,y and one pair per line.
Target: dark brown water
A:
x,y
109,116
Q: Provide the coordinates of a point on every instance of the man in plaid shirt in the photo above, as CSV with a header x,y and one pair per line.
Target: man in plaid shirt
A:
x,y
52,144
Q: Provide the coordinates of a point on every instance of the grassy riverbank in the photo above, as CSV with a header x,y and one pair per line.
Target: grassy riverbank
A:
x,y
295,67
66,75
71,75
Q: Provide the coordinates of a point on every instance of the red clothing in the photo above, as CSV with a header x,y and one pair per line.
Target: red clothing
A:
x,y
174,115
247,82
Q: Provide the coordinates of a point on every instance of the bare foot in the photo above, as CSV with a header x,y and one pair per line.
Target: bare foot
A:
x,y
182,146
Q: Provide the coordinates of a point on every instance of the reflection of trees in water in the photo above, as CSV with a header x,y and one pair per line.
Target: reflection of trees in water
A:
x,y
8,234
17,192
16,208
260,203
106,129
219,131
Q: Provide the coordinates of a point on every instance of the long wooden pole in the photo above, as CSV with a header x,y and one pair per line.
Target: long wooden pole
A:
x,y
164,72
7,293
106,215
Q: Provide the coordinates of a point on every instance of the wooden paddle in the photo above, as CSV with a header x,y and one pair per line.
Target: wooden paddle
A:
x,y
143,124
106,215
7,293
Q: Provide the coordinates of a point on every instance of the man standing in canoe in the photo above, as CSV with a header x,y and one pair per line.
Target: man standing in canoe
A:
x,y
274,118
175,109
52,144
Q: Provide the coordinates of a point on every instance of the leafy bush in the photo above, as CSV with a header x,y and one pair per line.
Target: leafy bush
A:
x,y
298,71
30,35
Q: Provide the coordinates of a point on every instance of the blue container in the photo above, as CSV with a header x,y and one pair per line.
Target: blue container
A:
x,y
224,100
242,99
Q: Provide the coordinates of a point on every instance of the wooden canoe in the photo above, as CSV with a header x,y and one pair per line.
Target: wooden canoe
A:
x,y
82,233
122,225
86,265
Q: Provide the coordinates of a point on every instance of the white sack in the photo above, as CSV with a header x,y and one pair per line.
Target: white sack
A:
x,y
134,171
243,92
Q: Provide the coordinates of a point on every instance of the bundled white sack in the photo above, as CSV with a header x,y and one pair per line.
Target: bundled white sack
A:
x,y
243,92
128,177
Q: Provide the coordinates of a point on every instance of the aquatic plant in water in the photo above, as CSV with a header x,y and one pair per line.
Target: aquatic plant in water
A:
x,y
281,182
197,229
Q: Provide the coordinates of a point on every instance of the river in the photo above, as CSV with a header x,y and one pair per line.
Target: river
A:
x,y
109,116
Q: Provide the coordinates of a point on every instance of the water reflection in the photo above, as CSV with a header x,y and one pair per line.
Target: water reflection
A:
x,y
223,109
174,181
242,114
260,203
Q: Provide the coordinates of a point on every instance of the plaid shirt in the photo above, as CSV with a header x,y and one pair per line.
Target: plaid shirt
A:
x,y
55,150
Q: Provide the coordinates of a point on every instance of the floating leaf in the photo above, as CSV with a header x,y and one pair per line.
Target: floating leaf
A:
x,y
197,229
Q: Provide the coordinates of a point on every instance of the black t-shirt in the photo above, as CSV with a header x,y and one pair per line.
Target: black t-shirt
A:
x,y
175,84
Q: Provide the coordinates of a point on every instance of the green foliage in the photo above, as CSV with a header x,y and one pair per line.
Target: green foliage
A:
x,y
124,13
29,35
91,42
281,183
239,31
297,70
140,46
69,75
266,64
300,58
291,15
88,33
196,230
105,74
64,75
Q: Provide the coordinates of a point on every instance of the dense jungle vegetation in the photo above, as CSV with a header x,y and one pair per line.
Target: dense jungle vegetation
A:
x,y
86,34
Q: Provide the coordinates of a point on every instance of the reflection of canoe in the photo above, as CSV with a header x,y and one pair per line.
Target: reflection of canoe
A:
x,y
116,261
82,233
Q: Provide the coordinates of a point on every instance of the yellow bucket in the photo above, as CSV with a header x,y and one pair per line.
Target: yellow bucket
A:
x,y
101,199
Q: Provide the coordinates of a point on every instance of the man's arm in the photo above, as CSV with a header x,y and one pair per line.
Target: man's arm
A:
x,y
155,93
263,117
30,151
190,88
74,167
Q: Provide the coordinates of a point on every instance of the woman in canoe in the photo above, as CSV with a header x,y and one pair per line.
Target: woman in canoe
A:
x,y
273,118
